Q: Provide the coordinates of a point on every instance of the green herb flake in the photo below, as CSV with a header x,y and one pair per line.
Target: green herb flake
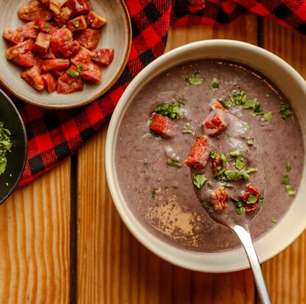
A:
x,y
288,187
250,141
173,110
267,116
5,146
232,175
76,23
174,163
80,67
194,79
252,199
215,84
290,190
240,162
285,180
199,180
251,170
274,221
288,167
240,210
188,128
73,74
285,111
213,155
235,153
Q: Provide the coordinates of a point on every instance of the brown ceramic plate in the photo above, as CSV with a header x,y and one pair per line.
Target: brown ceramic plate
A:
x,y
116,34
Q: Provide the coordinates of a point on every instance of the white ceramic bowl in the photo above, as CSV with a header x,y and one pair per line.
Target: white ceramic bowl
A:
x,y
293,87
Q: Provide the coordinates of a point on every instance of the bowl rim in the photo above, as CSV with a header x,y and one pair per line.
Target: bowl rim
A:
x,y
23,129
142,234
101,92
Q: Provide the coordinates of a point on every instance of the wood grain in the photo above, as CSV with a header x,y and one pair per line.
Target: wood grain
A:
x,y
286,273
112,266
34,241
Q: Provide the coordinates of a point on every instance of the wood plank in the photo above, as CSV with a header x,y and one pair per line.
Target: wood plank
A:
x,y
286,273
34,241
112,266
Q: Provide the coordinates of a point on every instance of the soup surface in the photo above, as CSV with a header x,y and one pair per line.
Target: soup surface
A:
x,y
159,187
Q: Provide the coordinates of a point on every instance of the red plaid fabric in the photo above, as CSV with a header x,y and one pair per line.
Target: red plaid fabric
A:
x,y
53,135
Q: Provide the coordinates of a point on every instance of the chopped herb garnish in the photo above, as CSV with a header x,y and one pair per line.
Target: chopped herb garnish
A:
x,y
240,162
288,187
187,129
153,193
235,153
199,180
213,155
250,141
285,111
5,146
251,170
267,116
174,163
80,67
290,190
76,23
73,74
232,175
215,84
285,180
194,79
173,110
274,221
252,199
240,210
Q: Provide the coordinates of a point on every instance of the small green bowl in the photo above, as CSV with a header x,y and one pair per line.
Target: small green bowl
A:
x,y
16,159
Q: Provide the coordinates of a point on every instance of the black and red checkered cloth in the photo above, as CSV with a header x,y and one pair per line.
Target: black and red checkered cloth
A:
x,y
53,135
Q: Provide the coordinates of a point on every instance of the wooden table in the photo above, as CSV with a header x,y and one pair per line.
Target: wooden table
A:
x,y
62,241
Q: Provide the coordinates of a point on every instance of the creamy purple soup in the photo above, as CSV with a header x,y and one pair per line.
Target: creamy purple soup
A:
x,y
159,187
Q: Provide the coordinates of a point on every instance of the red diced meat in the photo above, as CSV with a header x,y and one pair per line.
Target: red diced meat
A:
x,y
62,43
162,125
198,155
91,73
56,5
250,190
48,55
63,16
89,38
42,43
33,78
55,65
13,36
103,56
44,2
69,82
216,162
214,124
27,31
45,26
77,24
50,82
79,7
95,21
26,60
34,10
20,48
218,199
82,57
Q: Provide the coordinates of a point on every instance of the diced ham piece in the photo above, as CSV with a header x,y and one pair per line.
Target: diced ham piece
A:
x,y
56,5
62,43
82,57
162,125
77,24
63,16
215,123
20,48
48,55
219,198
90,72
55,65
45,26
26,31
89,38
42,43
103,56
26,60
198,155
78,7
69,82
33,78
95,21
250,190
50,82
34,10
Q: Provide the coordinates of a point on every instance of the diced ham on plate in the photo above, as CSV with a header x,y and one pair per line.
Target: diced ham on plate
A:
x,y
33,78
55,65
162,125
69,83
89,38
25,60
78,7
50,82
77,24
20,48
82,57
34,10
42,43
198,155
90,72
95,21
103,56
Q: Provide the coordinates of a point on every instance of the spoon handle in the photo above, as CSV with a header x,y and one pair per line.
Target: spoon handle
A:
x,y
246,240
